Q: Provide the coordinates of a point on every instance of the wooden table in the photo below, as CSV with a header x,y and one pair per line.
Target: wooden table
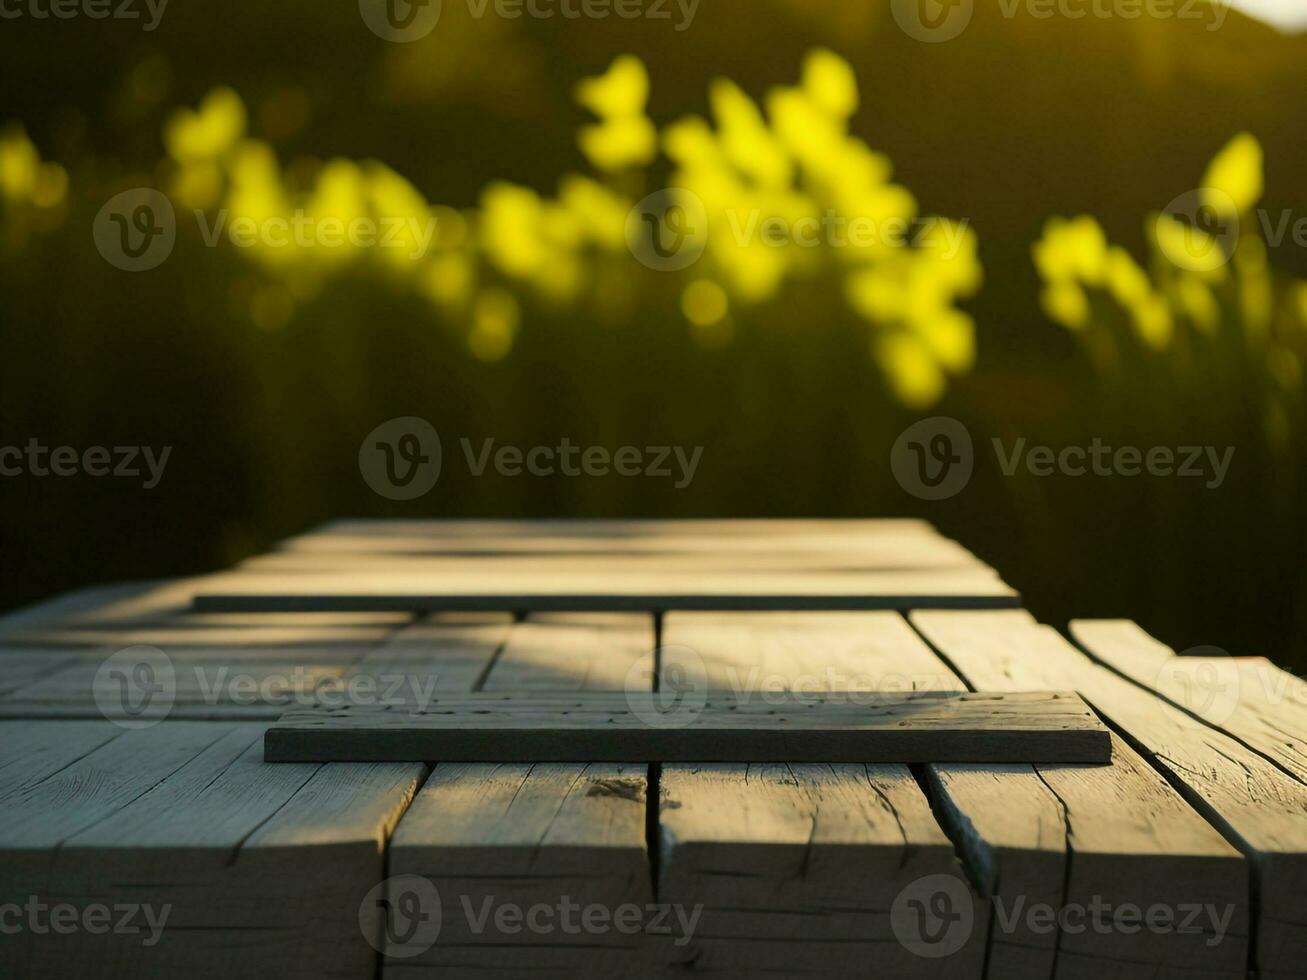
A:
x,y
1194,838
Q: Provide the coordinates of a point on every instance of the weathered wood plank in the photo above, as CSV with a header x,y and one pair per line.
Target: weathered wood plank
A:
x,y
798,867
614,536
248,868
107,607
501,837
30,753
816,557
441,653
23,666
159,613
229,666
1247,697
570,586
525,727
1257,806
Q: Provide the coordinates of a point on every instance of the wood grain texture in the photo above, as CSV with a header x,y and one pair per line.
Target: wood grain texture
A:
x,y
607,536
570,587
1248,698
1257,806
880,555
798,867
905,728
489,837
255,867
220,667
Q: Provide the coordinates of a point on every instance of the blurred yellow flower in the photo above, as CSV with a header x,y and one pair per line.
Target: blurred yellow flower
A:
x,y
1194,298
745,139
786,194
950,335
830,83
1210,272
51,185
198,185
1234,177
624,137
619,143
209,132
622,90
1066,303
1126,280
913,373
494,325
600,211
1075,249
448,279
1188,247
19,165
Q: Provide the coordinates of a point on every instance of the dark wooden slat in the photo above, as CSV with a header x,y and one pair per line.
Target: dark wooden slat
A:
x,y
902,728
576,589
580,534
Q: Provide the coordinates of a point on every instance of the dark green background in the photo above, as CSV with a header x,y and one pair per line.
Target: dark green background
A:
x,y
1013,121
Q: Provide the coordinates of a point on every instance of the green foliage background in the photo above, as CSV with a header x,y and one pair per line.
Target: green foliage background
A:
x,y
1012,122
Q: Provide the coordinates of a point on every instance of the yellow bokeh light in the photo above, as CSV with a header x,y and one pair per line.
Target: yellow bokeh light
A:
x,y
704,303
